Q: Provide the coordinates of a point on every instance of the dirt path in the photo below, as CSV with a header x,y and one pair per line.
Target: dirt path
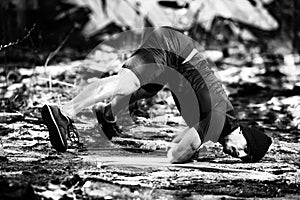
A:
x,y
125,172
135,166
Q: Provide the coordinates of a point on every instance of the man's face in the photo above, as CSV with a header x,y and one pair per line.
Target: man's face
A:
x,y
235,144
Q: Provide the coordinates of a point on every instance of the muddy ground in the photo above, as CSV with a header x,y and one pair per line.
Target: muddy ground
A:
x,y
135,166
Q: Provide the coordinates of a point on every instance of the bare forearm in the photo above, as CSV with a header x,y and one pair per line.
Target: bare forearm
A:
x,y
185,148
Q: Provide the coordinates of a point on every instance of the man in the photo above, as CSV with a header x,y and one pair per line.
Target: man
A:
x,y
165,57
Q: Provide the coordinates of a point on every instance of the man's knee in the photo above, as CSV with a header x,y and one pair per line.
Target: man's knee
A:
x,y
127,83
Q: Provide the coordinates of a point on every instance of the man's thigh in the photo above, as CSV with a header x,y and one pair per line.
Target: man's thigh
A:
x,y
143,64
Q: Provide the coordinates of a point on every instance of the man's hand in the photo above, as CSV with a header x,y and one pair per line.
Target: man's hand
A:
x,y
184,146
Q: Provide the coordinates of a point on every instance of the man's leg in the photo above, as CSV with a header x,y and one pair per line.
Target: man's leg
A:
x,y
106,113
123,84
85,96
59,123
145,92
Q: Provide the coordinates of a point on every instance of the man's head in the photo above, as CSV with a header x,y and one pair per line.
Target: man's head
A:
x,y
248,144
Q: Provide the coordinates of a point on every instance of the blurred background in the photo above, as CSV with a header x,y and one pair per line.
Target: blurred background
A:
x,y
39,26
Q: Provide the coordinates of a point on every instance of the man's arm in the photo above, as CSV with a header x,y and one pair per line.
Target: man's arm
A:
x,y
184,146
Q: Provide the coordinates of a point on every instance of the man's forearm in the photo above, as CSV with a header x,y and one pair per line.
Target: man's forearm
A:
x,y
185,148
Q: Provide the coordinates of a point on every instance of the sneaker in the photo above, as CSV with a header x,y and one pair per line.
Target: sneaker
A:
x,y
60,128
110,128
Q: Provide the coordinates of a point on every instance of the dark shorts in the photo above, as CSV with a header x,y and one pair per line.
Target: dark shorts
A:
x,y
197,92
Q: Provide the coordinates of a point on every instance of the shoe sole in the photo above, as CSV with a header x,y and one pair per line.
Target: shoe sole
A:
x,y
98,112
57,139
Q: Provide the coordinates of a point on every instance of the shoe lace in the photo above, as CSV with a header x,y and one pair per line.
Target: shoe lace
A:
x,y
73,136
73,133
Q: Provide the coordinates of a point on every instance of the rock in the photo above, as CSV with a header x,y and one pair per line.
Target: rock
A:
x,y
10,117
12,190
